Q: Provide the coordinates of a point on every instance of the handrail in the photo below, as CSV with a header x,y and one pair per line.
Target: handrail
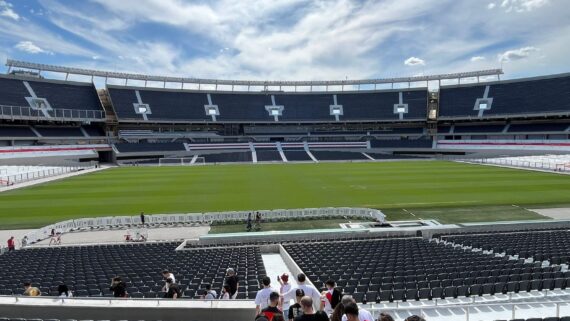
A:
x,y
26,112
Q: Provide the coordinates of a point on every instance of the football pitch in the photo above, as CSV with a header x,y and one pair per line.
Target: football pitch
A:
x,y
447,191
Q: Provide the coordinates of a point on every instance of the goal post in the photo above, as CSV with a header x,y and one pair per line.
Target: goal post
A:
x,y
181,161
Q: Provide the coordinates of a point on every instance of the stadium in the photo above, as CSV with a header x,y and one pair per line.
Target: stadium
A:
x,y
439,196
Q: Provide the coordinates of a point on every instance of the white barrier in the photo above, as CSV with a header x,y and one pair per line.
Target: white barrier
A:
x,y
240,216
10,175
555,163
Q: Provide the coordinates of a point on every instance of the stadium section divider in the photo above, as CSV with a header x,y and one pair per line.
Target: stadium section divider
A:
x,y
98,223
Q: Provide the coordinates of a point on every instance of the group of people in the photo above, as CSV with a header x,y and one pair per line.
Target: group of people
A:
x,y
62,289
253,223
310,304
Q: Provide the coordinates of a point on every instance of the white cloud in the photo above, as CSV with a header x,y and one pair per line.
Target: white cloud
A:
x,y
30,47
477,58
523,5
414,61
491,5
516,54
7,11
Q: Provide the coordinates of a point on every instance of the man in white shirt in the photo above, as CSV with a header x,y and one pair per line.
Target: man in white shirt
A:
x,y
285,287
167,275
309,290
262,296
363,315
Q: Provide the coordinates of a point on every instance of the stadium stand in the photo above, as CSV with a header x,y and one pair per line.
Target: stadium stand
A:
x,y
87,270
172,106
515,97
59,131
296,155
334,155
545,245
59,94
228,157
149,147
538,127
266,155
16,131
413,269
474,128
401,143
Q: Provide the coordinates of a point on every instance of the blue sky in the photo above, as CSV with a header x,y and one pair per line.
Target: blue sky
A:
x,y
290,39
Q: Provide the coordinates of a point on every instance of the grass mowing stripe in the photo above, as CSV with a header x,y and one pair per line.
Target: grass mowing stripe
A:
x,y
384,185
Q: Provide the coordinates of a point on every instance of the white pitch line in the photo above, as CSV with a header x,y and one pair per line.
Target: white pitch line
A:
x,y
405,210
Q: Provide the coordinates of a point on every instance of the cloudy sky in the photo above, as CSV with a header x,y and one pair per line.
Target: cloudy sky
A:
x,y
290,39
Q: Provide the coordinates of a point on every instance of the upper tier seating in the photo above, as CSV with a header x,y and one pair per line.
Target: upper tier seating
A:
x,y
59,94
534,96
185,106
88,269
474,128
549,245
414,268
60,131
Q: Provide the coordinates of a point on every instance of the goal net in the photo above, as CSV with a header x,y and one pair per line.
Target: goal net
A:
x,y
181,161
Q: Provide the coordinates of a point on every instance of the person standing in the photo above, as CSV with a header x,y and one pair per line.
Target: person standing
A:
x,y
64,291
118,287
233,281
248,226
11,244
173,290
262,297
285,287
309,313
331,297
309,290
24,241
272,311
167,275
142,218
296,310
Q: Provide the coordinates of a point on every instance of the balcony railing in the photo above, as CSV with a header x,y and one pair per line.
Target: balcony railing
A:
x,y
27,113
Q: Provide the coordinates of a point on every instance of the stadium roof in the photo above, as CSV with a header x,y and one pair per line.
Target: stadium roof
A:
x,y
201,81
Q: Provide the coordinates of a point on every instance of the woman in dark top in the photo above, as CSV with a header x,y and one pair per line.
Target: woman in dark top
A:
x,y
119,288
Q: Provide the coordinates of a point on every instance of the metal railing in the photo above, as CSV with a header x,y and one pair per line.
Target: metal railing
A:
x,y
201,218
547,166
500,310
28,113
17,178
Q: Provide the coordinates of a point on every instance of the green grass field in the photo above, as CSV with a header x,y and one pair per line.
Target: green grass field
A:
x,y
451,192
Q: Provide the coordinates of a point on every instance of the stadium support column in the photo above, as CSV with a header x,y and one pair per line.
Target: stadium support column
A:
x,y
306,146
280,149
253,152
432,112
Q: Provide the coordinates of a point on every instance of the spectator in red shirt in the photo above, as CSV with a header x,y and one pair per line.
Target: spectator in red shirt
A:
x,y
11,244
